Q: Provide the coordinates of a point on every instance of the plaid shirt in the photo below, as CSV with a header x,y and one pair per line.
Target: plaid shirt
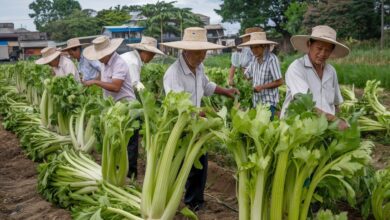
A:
x,y
90,69
264,73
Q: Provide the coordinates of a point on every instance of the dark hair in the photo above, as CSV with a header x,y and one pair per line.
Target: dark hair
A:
x,y
75,48
311,40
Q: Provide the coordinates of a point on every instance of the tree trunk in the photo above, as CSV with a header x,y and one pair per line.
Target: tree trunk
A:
x,y
161,31
382,23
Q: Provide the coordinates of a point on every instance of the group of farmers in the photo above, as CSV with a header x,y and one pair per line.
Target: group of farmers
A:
x,y
119,76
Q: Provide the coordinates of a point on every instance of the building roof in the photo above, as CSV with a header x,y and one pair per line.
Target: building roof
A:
x,y
213,27
8,35
41,44
123,28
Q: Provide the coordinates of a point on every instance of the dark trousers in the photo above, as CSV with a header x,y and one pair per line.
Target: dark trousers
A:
x,y
132,154
273,110
196,184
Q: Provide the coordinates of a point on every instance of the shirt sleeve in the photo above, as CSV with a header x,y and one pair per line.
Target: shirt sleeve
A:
x,y
338,99
295,79
208,87
134,71
69,67
120,71
275,68
96,65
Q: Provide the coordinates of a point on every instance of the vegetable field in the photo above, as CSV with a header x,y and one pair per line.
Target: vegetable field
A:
x,y
299,167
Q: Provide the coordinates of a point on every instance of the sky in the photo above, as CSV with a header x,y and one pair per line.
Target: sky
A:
x,y
17,11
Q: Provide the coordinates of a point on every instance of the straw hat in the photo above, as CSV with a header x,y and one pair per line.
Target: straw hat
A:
x,y
101,47
250,30
48,55
195,38
258,38
321,33
147,44
71,43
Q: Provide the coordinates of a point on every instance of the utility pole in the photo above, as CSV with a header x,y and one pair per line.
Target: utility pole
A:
x,y
382,23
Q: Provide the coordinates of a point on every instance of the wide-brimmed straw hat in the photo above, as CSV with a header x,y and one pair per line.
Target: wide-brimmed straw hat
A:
x,y
195,38
257,38
250,30
147,44
321,33
71,43
48,55
101,47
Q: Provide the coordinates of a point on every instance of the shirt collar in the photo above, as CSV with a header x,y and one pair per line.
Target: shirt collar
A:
x,y
326,76
138,56
307,61
112,59
184,67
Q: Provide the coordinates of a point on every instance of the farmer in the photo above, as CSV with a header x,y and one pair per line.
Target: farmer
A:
x,y
311,73
264,70
115,82
60,64
246,54
144,52
187,74
89,69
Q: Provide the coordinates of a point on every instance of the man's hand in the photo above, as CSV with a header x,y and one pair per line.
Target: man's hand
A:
x,y
231,92
139,86
89,82
231,82
342,124
257,88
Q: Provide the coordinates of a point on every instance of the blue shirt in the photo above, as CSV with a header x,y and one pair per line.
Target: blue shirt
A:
x,y
90,69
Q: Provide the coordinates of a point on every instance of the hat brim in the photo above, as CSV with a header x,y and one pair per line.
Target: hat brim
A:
x,y
299,42
48,59
257,42
193,45
92,54
146,48
79,45
245,35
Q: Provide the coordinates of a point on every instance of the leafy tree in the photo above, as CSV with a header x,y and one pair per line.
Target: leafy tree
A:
x,y
113,16
269,14
358,19
186,18
295,15
77,24
45,11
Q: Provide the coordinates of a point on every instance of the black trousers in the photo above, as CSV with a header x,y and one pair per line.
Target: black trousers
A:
x,y
196,184
132,154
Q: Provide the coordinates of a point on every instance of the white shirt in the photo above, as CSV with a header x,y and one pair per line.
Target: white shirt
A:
x,y
134,62
179,78
301,77
66,67
116,68
246,57
235,59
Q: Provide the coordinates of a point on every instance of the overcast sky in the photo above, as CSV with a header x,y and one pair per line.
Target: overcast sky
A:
x,y
17,11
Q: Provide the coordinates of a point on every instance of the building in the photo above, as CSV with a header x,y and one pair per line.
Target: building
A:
x,y
205,19
21,43
130,34
136,18
215,34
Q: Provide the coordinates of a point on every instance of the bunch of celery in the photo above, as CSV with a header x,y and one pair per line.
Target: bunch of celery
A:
x,y
173,138
380,199
119,123
281,165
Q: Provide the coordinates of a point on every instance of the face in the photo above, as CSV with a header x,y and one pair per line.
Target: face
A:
x,y
146,56
257,50
194,57
319,51
75,53
105,59
55,62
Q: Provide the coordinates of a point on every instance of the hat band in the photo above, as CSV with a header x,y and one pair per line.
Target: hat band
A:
x,y
325,36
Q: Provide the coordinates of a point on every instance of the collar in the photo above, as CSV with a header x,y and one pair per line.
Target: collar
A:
x,y
184,67
327,74
307,62
112,59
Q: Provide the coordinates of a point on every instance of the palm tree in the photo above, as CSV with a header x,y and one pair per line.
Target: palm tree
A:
x,y
187,19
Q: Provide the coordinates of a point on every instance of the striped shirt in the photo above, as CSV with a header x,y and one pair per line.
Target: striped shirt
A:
x,y
235,59
246,57
264,73
89,69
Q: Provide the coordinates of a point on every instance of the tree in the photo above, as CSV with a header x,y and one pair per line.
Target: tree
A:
x,y
186,18
358,19
77,24
268,14
45,11
113,16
